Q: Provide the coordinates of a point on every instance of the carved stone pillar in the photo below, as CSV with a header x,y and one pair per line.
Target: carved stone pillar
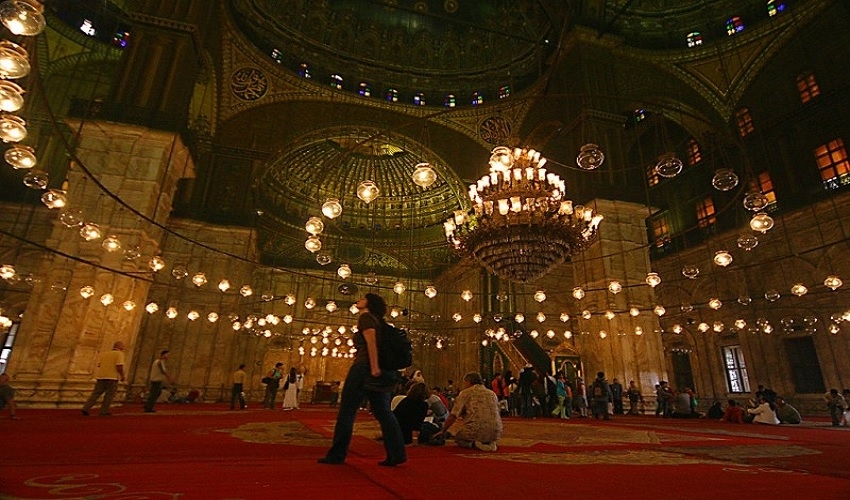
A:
x,y
621,254
62,334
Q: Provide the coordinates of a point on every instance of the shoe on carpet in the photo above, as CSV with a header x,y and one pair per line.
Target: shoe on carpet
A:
x,y
85,413
328,461
485,446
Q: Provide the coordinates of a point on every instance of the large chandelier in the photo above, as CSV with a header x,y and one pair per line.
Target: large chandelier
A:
x,y
521,225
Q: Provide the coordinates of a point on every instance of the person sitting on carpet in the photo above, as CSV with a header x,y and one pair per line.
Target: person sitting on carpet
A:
x,y
715,412
7,396
764,413
411,410
478,408
786,413
437,413
836,404
684,407
733,414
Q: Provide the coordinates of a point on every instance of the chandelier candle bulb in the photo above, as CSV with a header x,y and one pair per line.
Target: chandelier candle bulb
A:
x,y
520,227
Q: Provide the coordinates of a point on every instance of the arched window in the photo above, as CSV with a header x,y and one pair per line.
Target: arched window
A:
x,y
744,121
706,215
652,177
694,39
277,56
121,39
775,7
808,87
766,188
833,164
304,71
734,25
694,153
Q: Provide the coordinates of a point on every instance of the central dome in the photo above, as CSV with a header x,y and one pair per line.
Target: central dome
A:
x,y
404,223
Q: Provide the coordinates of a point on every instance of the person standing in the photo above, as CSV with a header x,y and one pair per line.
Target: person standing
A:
x,y
617,396
290,390
601,397
272,382
302,374
499,387
7,396
561,387
526,381
159,375
635,396
110,371
580,397
366,379
237,391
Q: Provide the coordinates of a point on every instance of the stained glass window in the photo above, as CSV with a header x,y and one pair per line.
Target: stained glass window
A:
x,y
694,39
775,7
744,121
705,213
694,153
734,25
832,163
808,87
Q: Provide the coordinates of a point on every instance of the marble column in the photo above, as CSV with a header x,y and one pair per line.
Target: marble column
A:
x,y
620,254
62,334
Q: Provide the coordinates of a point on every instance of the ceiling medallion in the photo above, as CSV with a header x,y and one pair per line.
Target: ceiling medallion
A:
x,y
521,226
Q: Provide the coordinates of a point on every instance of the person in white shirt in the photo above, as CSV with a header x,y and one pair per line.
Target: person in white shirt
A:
x,y
763,413
110,371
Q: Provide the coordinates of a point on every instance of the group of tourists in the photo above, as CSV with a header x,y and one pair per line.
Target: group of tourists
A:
x,y
534,394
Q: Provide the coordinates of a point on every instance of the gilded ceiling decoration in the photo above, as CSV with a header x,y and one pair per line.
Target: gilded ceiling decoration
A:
x,y
403,221
434,47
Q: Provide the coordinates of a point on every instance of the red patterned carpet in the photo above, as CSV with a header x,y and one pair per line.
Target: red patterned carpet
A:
x,y
204,451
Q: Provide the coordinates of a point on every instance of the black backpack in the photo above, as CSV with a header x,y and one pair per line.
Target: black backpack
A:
x,y
395,352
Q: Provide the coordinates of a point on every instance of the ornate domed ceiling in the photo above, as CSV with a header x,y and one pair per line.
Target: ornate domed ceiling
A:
x,y
401,229
436,47
664,24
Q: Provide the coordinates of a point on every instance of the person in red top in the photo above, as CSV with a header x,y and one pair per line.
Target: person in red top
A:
x,y
499,386
733,413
